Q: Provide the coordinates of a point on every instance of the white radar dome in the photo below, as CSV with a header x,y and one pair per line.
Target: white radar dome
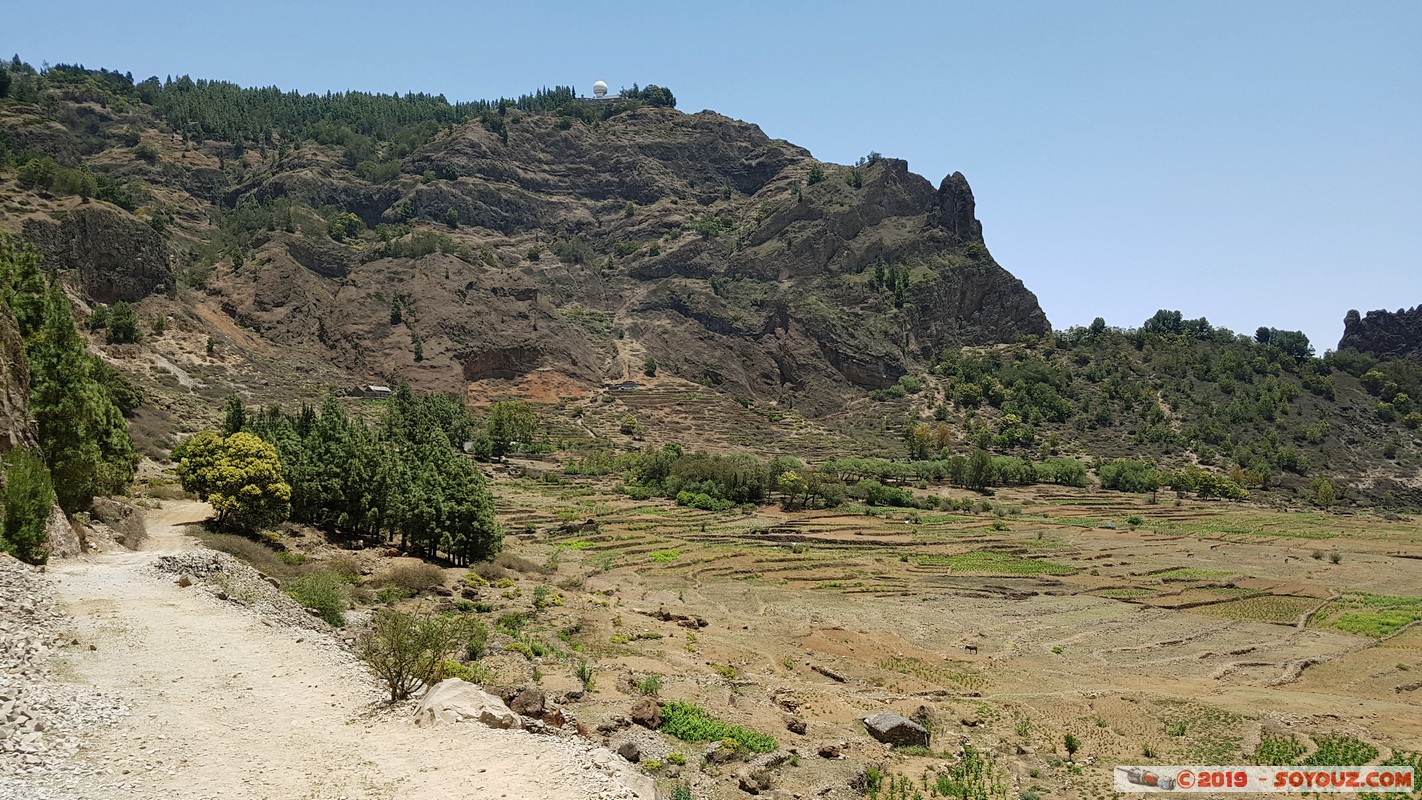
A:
x,y
600,88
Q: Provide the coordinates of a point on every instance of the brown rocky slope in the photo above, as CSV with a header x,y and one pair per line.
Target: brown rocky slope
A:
x,y
692,241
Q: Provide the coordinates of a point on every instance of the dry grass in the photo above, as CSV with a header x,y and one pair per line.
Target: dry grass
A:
x,y
251,552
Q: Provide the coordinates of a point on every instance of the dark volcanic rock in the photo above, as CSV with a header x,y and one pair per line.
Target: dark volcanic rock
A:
x,y
955,211
118,257
568,254
1384,334
528,701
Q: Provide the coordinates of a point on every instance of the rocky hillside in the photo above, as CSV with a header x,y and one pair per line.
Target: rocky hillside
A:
x,y
1384,334
599,243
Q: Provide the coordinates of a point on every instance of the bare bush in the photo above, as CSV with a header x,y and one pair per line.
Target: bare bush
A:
x,y
489,571
414,578
520,564
344,565
406,651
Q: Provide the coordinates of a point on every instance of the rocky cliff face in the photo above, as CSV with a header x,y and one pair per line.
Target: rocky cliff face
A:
x,y
1384,334
16,427
117,256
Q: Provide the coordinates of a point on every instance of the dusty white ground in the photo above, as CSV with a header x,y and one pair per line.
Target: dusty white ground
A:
x,y
224,705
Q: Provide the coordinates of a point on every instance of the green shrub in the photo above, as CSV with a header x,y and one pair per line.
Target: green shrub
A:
x,y
390,594
703,501
28,497
324,592
406,650
471,673
587,675
692,723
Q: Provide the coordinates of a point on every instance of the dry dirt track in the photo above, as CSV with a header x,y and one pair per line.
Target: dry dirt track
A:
x,y
224,706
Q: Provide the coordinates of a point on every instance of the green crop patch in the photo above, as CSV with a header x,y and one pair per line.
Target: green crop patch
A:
x,y
1371,614
1276,609
692,723
1340,751
994,563
1123,594
1278,751
1191,574
932,673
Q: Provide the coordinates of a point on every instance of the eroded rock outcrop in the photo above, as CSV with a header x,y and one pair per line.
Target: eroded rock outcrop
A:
x,y
118,257
1384,334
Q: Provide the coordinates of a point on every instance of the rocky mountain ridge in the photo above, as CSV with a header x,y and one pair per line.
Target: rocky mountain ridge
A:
x,y
692,242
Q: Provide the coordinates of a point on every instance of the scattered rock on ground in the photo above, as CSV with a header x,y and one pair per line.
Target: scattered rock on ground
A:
x,y
647,713
753,781
42,720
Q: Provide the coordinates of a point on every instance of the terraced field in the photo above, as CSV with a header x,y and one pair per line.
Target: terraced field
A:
x,y
1183,630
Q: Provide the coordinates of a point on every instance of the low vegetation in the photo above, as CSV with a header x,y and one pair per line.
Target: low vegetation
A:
x,y
405,650
692,723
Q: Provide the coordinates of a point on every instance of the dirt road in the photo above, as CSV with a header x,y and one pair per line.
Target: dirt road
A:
x,y
225,706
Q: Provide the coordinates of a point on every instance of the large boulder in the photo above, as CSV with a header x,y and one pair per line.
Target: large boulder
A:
x,y
528,701
897,731
453,700
63,540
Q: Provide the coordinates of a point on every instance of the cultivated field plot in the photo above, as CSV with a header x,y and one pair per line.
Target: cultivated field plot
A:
x,y
1156,633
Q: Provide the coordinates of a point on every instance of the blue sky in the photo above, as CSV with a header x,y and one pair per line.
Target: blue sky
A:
x,y
1258,162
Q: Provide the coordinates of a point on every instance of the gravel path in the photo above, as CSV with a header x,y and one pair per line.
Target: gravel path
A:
x,y
174,693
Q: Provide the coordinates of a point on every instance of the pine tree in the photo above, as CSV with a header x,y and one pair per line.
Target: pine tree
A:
x,y
234,417
123,324
82,433
22,284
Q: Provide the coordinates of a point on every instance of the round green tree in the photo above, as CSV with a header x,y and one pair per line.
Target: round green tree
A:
x,y
240,476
